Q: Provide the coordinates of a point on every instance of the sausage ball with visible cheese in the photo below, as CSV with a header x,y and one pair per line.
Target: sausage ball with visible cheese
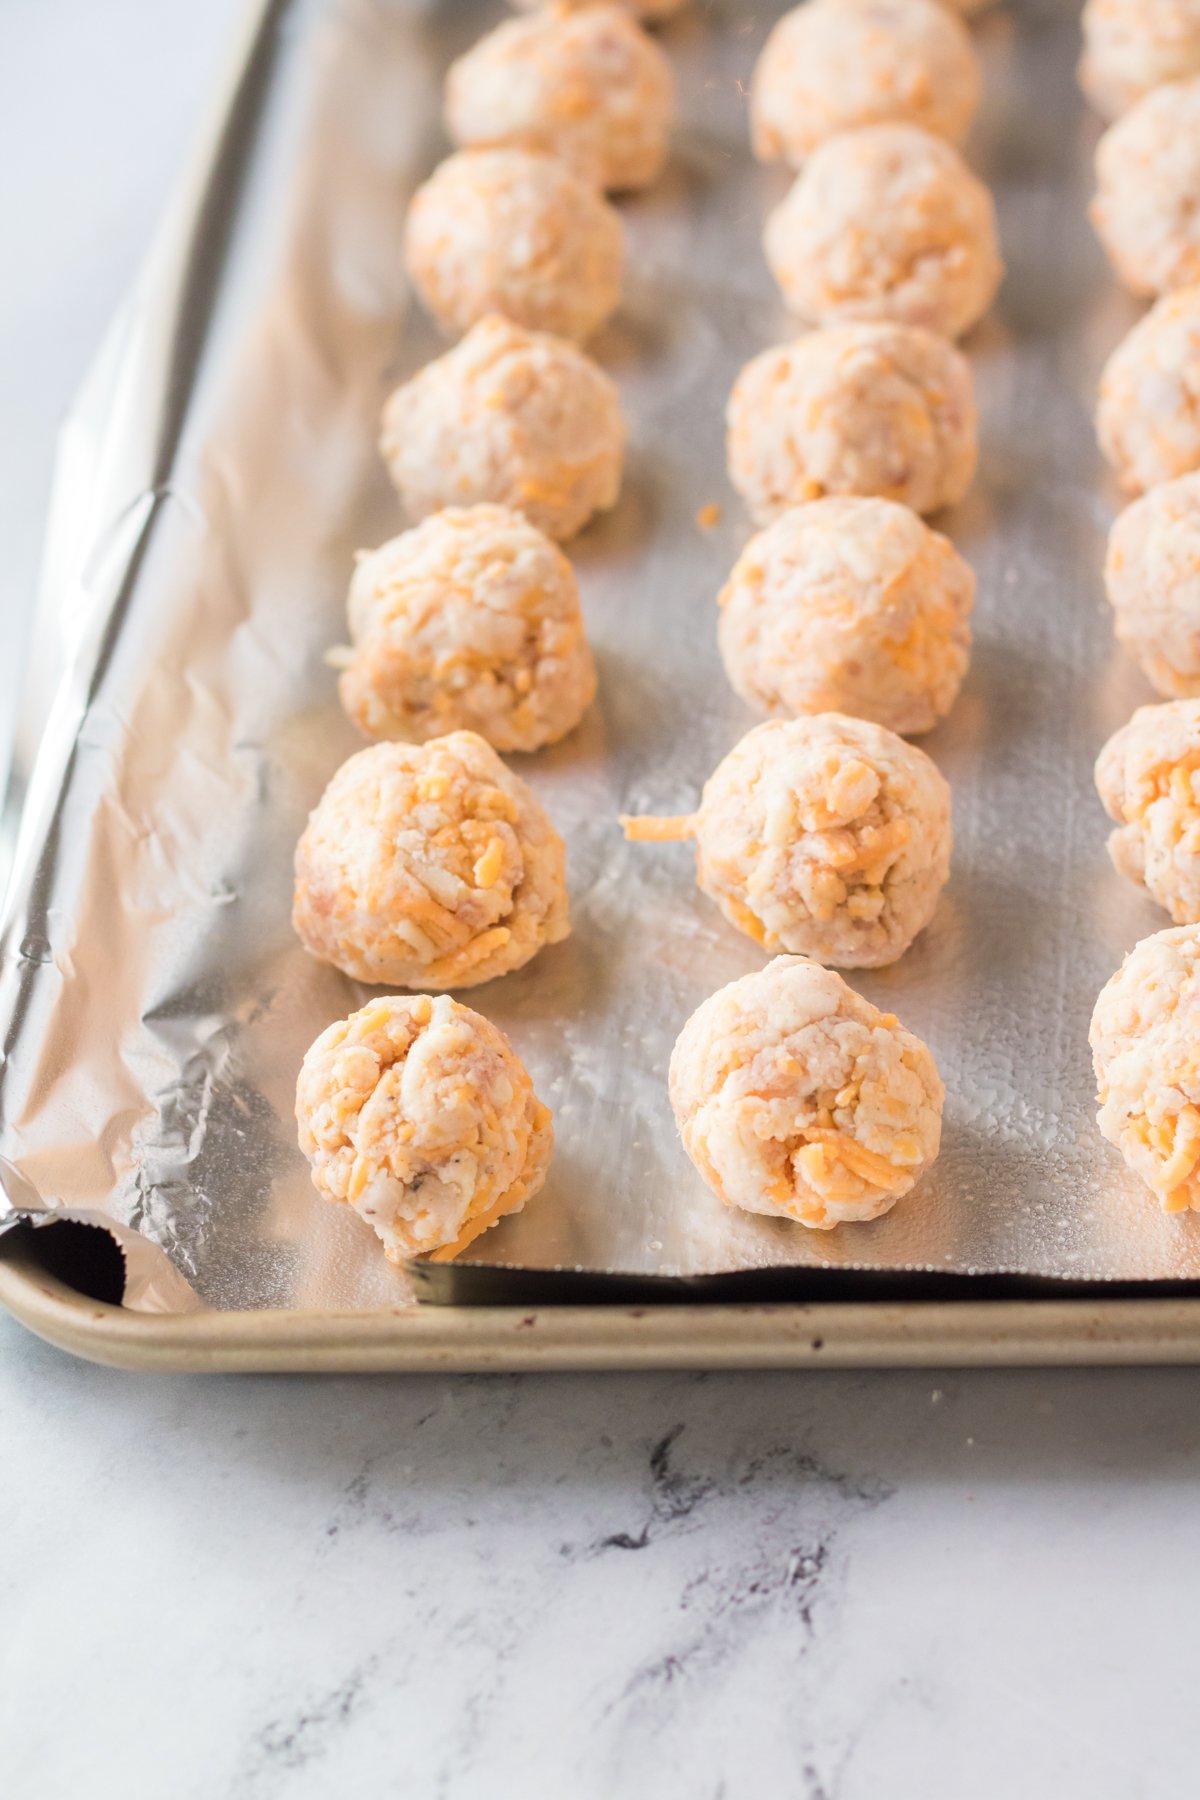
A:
x,y
1148,413
517,233
1148,175
1148,776
850,606
1132,46
1152,574
829,837
886,410
832,65
469,622
1145,1039
420,1115
587,86
517,417
429,866
886,222
797,1098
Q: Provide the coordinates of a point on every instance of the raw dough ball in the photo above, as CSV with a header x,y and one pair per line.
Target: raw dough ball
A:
x,y
1145,1036
517,417
887,410
513,232
1153,579
469,622
1131,46
1148,776
828,836
420,1115
886,223
1148,174
648,11
851,606
1148,416
796,1097
429,866
588,86
831,65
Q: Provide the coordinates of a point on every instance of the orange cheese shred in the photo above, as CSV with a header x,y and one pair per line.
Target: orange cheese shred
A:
x,y
651,830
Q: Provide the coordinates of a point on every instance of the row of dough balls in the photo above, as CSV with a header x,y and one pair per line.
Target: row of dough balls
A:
x,y
1141,68
887,243
513,247
526,420
547,111
794,1097
884,220
472,621
828,835
431,865
434,867
1143,62
885,223
867,99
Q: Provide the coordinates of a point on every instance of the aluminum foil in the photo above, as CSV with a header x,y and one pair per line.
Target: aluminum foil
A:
x,y
217,476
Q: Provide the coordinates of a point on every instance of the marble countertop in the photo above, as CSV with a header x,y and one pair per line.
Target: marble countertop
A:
x,y
839,1587
833,1586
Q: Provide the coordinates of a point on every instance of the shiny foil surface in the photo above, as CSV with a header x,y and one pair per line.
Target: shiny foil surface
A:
x,y
217,476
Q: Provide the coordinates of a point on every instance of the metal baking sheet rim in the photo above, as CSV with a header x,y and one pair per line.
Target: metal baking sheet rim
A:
x,y
579,1339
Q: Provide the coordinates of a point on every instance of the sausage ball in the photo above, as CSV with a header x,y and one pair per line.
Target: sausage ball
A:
x,y
1148,776
1148,414
1148,175
829,837
429,866
469,622
1131,46
885,410
514,232
1152,574
1145,1041
648,11
850,606
797,1098
587,86
831,65
886,222
516,417
420,1115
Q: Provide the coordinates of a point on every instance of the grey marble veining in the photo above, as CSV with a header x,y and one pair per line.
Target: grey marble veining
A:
x,y
833,1586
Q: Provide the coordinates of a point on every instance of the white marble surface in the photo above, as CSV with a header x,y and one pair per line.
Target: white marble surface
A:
x,y
896,1586
698,1588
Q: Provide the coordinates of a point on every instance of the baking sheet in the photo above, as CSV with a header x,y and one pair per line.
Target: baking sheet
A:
x,y
218,475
